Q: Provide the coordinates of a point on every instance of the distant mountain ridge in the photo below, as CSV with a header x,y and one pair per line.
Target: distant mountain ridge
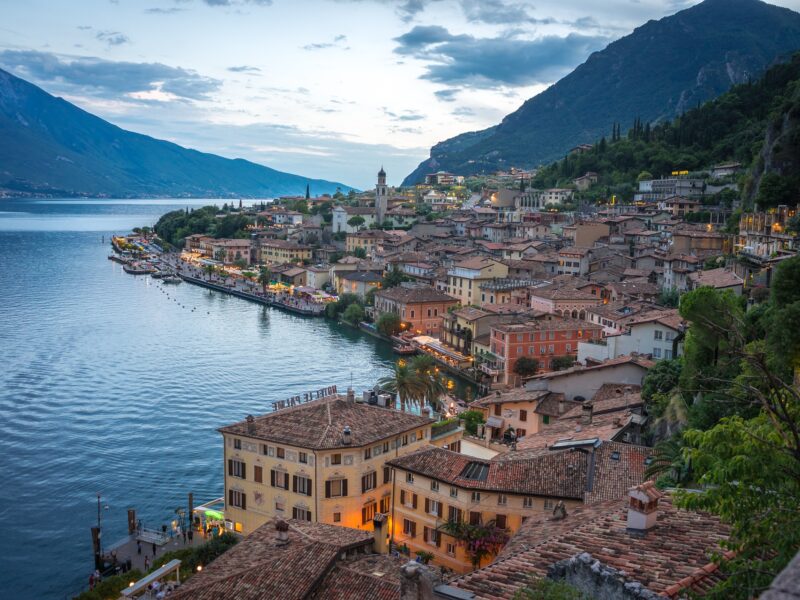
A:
x,y
657,72
49,146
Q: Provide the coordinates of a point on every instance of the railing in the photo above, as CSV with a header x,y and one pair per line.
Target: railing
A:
x,y
489,368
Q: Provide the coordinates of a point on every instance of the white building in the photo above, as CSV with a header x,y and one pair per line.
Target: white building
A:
x,y
654,334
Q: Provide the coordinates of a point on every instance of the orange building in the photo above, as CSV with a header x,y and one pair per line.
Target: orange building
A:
x,y
543,339
421,306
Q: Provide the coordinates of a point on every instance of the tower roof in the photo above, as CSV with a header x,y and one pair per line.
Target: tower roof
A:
x,y
381,173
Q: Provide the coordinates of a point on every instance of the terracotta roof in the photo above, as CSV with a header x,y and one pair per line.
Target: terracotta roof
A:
x,y
410,295
260,568
515,395
319,424
671,553
605,427
620,360
718,278
476,263
367,276
375,576
609,405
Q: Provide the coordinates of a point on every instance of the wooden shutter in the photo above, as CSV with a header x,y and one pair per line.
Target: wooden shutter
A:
x,y
230,497
440,511
309,483
438,538
413,529
427,505
500,521
244,471
414,501
364,515
424,533
474,518
230,467
294,512
387,474
364,483
402,496
523,415
286,481
294,484
327,489
272,477
459,515
244,501
308,515
344,487
257,474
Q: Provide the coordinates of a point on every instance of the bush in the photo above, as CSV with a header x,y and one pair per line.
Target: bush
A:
x,y
199,555
354,314
526,366
559,363
388,324
110,587
472,418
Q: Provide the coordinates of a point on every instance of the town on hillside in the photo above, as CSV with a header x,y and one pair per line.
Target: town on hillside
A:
x,y
604,347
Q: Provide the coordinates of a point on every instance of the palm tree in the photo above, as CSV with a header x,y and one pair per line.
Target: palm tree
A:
x,y
669,459
209,269
264,275
405,383
425,368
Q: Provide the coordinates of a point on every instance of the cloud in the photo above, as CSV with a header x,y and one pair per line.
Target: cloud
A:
x,y
237,2
463,111
448,95
339,41
108,79
468,61
112,38
407,115
163,11
244,69
498,12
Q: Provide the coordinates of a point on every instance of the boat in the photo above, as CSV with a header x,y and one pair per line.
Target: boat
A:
x,y
138,268
404,349
172,279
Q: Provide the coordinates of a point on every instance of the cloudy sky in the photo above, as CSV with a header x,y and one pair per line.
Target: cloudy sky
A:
x,y
324,88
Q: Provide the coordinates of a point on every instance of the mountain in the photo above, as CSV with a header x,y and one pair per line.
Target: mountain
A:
x,y
656,73
51,147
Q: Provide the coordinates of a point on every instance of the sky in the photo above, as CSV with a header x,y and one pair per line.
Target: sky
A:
x,y
323,88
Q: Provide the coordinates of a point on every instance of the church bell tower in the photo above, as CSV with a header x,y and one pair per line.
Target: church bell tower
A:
x,y
381,197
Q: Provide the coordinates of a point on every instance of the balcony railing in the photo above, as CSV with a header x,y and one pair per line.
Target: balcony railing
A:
x,y
490,368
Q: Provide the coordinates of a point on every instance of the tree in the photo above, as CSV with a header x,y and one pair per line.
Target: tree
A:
x,y
308,192
393,277
360,252
264,277
644,176
662,378
670,461
405,383
356,221
425,368
559,363
526,366
388,324
669,298
354,314
773,190
472,418
479,541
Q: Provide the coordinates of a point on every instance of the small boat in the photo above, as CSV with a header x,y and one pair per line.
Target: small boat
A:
x,y
172,279
138,269
404,349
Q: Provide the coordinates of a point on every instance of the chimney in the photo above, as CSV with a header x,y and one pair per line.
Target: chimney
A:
x,y
617,422
282,527
347,436
251,424
643,508
562,405
351,395
416,582
586,414
559,511
380,544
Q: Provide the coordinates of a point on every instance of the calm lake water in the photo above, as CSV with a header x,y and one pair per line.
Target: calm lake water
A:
x,y
110,385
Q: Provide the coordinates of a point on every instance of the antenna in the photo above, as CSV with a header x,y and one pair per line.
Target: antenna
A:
x,y
351,378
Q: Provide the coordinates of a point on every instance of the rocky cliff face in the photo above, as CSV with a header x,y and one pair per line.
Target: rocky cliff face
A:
x,y
657,72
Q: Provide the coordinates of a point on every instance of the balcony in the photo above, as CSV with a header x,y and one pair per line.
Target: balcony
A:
x,y
492,369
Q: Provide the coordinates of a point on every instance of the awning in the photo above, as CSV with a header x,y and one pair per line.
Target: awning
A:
x,y
494,422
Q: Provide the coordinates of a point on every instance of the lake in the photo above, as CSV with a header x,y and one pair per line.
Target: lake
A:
x,y
111,385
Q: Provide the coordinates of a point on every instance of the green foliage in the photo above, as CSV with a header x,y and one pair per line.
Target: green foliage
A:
x,y
526,366
668,458
662,378
388,324
360,252
480,541
424,556
198,555
405,383
559,363
472,418
369,297
354,314
356,221
110,587
393,277
334,309
775,189
669,298
427,372
547,589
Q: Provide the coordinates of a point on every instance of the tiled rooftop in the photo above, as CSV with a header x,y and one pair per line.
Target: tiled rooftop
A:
x,y
319,424
415,294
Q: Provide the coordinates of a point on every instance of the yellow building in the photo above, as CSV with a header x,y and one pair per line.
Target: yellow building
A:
x,y
435,487
321,461
369,240
465,278
281,251
526,411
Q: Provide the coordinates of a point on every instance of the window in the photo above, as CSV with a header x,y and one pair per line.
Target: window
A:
x,y
546,419
301,514
303,458
237,443
432,507
523,415
405,440
658,334
668,354
656,352
454,515
279,479
336,488
386,504
453,492
451,549
409,528
408,499
385,446
476,496
264,449
237,499
670,336
336,459
542,349
527,502
409,478
520,433
431,536
280,506
569,347
498,410
237,468
500,521
548,505
502,499
369,481
301,485
474,518
387,474
367,453
368,513
434,486
257,474
281,452
551,348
